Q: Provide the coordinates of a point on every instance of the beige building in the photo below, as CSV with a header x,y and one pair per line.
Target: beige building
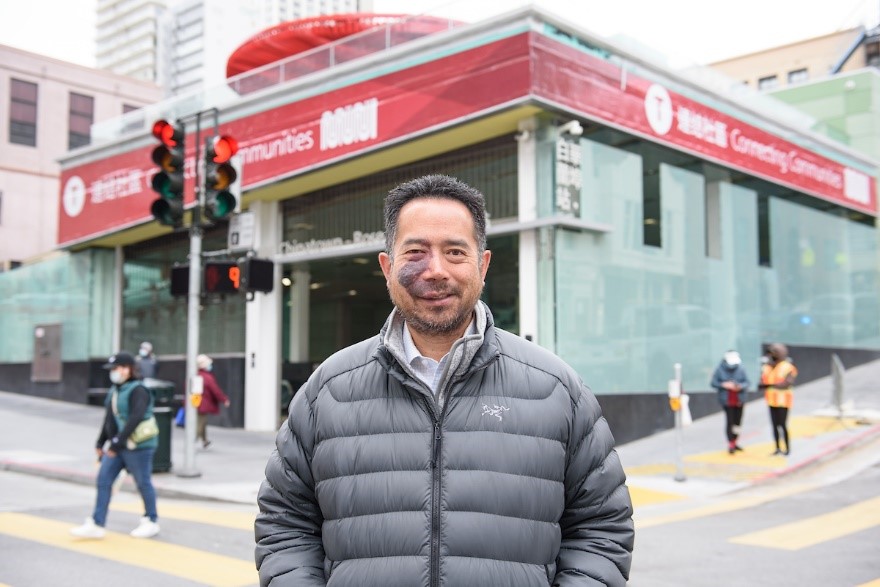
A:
x,y
805,60
48,107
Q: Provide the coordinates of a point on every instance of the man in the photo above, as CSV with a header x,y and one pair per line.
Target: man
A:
x,y
147,362
443,451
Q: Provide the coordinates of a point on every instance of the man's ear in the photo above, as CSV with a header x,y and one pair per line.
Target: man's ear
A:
x,y
385,264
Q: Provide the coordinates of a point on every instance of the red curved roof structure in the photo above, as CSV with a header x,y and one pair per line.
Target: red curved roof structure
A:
x,y
298,36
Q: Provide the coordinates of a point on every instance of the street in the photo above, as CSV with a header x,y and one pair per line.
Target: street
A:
x,y
817,528
201,543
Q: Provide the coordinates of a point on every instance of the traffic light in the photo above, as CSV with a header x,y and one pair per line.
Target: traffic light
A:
x,y
220,202
180,280
257,274
168,182
222,277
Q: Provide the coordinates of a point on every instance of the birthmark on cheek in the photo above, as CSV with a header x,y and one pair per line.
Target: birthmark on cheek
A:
x,y
411,270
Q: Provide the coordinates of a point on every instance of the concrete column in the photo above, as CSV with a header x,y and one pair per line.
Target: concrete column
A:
x,y
528,239
262,370
299,315
118,281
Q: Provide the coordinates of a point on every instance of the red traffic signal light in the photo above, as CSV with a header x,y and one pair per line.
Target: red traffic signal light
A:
x,y
168,181
169,134
222,148
220,201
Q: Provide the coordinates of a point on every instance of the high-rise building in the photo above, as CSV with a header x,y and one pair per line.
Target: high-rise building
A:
x,y
183,44
128,37
197,38
274,11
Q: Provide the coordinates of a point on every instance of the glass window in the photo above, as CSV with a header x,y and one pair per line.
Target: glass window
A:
x,y
82,115
797,76
151,313
822,291
339,211
768,82
619,302
23,113
126,108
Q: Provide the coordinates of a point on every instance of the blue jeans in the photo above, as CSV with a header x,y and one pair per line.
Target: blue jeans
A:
x,y
140,464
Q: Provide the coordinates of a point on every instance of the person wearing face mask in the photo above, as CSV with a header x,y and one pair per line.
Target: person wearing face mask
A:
x,y
777,382
212,397
128,404
731,384
147,361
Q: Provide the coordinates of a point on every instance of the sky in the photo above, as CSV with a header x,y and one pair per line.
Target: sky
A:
x,y
684,31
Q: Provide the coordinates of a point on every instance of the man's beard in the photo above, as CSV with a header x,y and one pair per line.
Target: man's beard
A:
x,y
425,323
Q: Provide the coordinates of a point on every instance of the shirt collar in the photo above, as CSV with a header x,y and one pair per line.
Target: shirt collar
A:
x,y
410,350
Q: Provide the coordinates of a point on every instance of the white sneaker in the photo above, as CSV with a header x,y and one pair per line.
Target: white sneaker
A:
x,y
88,530
146,529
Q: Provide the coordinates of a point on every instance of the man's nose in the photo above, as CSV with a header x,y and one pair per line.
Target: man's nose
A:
x,y
435,268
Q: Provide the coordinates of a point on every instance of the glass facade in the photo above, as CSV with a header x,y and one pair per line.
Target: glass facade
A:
x,y
626,311
151,313
73,290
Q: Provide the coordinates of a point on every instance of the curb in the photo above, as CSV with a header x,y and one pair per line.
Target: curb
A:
x,y
89,479
832,450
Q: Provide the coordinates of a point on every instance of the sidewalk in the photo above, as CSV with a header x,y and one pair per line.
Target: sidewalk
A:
x,y
55,439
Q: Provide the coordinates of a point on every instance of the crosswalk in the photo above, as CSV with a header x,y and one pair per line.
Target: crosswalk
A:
x,y
198,565
185,562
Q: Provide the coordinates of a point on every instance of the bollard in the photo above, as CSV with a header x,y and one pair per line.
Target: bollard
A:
x,y
675,402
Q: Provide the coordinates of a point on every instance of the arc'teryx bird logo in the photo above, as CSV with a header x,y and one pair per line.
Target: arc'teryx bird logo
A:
x,y
495,410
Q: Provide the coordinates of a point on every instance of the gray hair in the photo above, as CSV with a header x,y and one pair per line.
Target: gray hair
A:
x,y
435,186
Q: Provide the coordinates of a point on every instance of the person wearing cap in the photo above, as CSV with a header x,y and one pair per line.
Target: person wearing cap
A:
x,y
128,403
212,397
147,361
731,383
777,383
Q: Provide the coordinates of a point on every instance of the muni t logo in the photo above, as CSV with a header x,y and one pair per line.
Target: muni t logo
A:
x,y
495,410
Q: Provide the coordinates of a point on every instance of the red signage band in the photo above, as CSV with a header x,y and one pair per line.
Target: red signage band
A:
x,y
598,89
104,195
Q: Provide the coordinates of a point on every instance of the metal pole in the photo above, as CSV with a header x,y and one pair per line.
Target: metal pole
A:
x,y
192,322
679,449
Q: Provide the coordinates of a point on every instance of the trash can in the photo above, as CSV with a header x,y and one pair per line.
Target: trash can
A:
x,y
163,397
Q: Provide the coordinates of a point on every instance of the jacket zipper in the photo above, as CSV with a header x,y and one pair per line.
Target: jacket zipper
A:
x,y
436,479
435,506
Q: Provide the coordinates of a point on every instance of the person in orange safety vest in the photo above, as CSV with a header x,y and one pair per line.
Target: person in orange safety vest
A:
x,y
777,381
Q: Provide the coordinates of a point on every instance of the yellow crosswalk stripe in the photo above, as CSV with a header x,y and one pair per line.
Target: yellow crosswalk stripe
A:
x,y
641,496
817,529
181,561
198,514
874,583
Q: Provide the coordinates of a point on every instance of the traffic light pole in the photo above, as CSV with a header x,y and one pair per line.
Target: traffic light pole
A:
x,y
192,321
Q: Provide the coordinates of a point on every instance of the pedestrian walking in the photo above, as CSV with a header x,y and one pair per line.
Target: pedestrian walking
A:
x,y
443,451
147,361
731,385
127,440
777,382
211,398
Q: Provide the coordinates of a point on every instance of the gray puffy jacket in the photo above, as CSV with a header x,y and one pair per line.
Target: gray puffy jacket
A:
x,y
512,482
